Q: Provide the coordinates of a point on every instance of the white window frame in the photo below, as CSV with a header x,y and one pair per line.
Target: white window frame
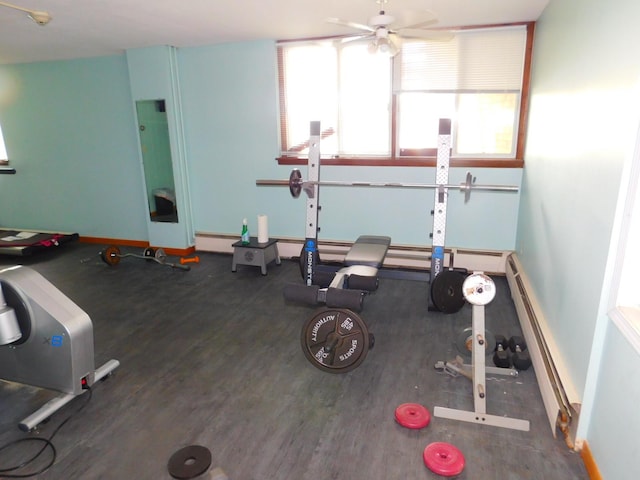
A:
x,y
624,309
4,157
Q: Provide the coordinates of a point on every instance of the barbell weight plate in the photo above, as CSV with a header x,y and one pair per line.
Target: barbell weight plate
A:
x,y
189,462
479,289
443,459
149,252
160,255
446,291
412,415
467,186
295,183
111,255
464,342
335,340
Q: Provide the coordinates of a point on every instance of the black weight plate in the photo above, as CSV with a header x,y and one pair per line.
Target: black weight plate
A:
x,y
149,252
446,291
335,340
295,183
189,462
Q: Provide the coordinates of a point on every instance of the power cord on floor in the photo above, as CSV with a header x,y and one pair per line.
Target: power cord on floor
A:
x,y
47,443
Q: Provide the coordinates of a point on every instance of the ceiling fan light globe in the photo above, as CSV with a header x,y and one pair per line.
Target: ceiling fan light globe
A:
x,y
372,47
382,33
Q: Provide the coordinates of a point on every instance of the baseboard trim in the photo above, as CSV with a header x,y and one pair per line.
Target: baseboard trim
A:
x,y
590,462
178,252
399,256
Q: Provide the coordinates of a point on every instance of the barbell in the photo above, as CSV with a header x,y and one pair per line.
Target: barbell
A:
x,y
297,184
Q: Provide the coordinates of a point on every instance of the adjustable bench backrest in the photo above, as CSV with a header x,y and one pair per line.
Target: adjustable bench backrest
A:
x,y
369,250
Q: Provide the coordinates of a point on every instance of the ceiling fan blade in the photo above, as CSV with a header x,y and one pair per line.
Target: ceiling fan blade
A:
x,y
346,23
353,38
426,23
416,19
396,40
433,35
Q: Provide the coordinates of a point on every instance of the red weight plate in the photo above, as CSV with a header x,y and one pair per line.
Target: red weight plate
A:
x,y
444,459
412,415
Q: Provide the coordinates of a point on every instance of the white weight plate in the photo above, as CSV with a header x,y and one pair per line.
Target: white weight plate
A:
x,y
479,289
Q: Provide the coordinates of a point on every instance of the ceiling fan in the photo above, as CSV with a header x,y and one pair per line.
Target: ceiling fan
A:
x,y
385,35
38,16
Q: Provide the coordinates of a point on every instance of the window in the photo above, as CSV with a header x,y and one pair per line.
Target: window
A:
x,y
4,158
625,297
375,109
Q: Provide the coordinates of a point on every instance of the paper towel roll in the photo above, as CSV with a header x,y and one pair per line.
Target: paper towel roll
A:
x,y
263,229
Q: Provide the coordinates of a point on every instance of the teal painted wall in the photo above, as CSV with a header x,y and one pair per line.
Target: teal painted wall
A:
x,y
230,109
68,131
582,129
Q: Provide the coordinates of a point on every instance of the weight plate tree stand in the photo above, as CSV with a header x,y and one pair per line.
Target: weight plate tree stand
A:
x,y
479,290
335,340
445,294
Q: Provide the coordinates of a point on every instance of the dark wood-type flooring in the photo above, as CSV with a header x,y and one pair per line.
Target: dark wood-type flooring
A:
x,y
210,357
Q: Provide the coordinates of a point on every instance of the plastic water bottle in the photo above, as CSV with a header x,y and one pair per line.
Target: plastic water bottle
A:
x,y
245,233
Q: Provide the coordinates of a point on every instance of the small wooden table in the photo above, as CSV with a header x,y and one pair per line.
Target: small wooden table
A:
x,y
255,254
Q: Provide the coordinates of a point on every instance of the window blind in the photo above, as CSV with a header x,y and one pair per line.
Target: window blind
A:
x,y
486,60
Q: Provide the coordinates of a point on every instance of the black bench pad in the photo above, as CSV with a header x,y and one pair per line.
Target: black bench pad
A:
x,y
368,250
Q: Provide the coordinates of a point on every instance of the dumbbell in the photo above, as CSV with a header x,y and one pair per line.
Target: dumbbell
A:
x,y
501,357
184,260
520,358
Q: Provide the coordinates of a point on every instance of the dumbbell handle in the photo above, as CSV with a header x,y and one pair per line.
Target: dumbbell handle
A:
x,y
195,259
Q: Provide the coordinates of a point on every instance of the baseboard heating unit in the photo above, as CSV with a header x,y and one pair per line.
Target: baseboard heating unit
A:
x,y
398,256
560,399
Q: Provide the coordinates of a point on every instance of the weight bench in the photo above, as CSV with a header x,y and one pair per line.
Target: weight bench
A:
x,y
347,287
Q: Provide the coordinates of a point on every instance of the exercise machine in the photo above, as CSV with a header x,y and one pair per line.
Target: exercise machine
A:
x,y
337,339
46,341
444,294
344,287
479,290
26,242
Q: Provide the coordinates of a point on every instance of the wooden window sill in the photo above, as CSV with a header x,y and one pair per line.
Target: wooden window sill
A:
x,y
407,162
